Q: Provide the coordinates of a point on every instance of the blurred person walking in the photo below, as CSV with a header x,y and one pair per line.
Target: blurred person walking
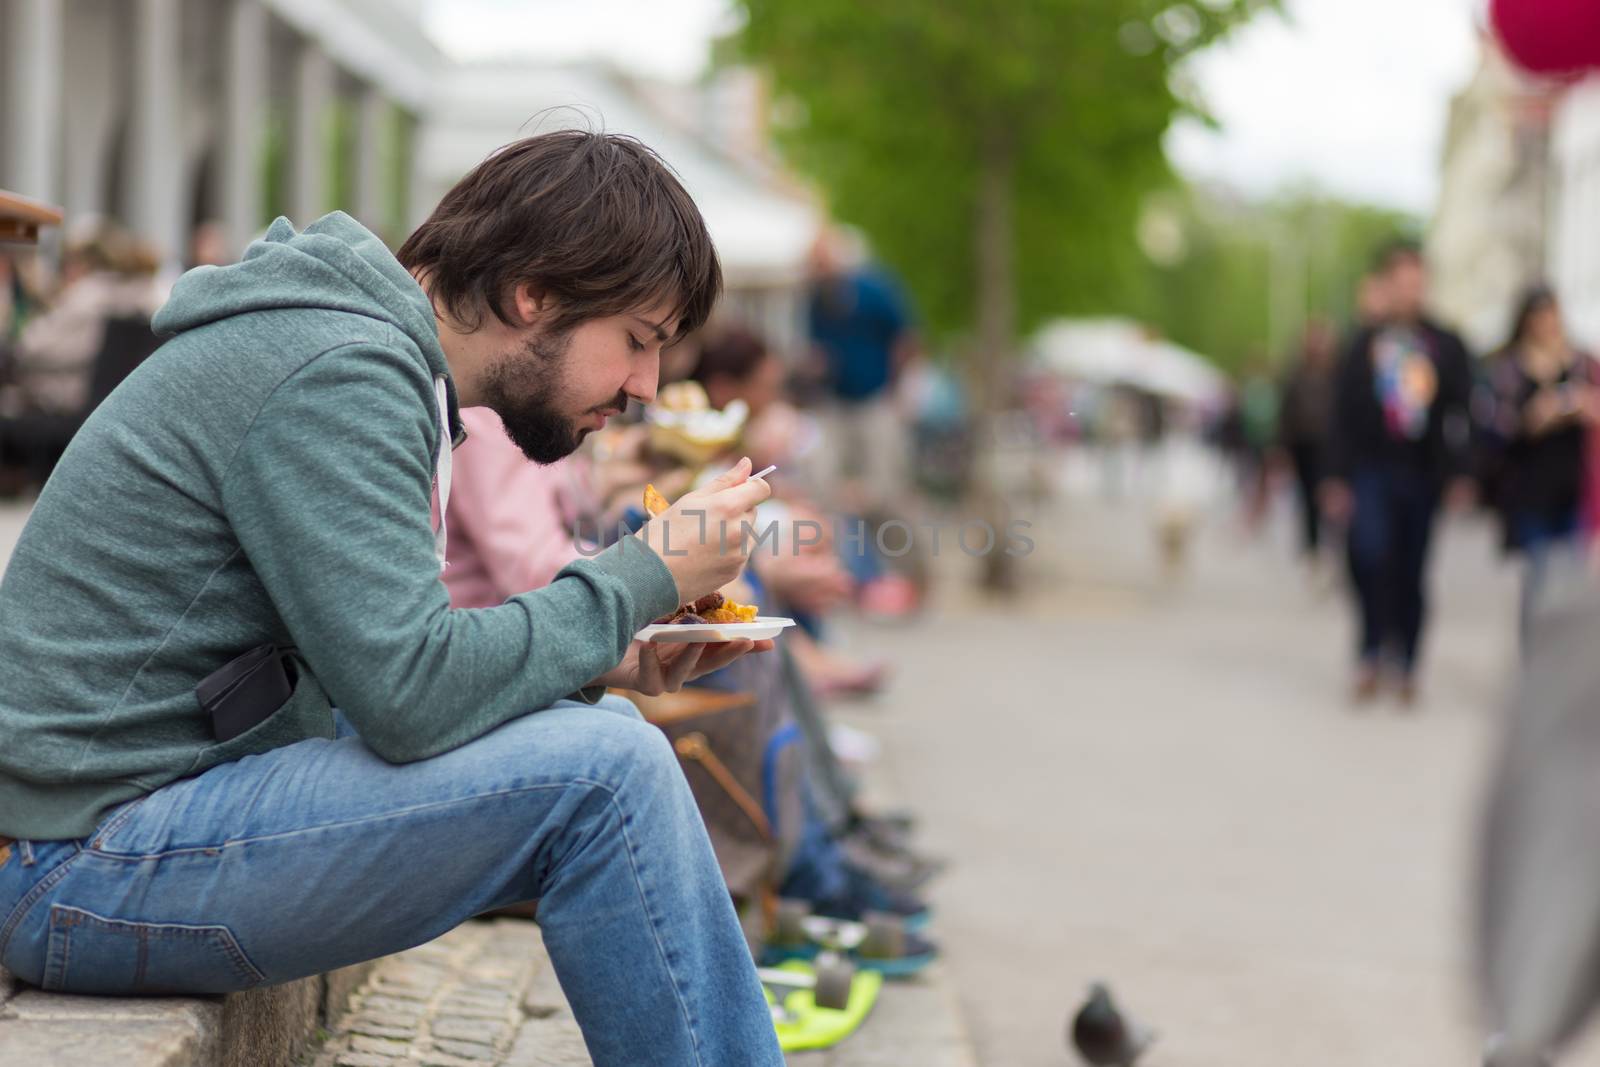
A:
x,y
1398,437
1304,408
1544,403
861,331
1258,423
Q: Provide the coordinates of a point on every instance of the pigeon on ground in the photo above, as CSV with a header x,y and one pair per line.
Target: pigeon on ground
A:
x,y
1103,1036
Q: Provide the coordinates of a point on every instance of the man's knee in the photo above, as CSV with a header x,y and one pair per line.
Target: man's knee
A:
x,y
606,743
628,749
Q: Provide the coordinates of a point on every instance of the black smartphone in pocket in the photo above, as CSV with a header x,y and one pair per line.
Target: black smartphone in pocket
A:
x,y
244,692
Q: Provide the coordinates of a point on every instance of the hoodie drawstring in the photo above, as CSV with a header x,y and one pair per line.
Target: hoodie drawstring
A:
x,y
441,471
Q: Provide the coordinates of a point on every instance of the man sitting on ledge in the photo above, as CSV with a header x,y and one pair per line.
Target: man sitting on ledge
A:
x,y
239,542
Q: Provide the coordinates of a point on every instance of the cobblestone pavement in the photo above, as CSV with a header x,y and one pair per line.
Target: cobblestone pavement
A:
x,y
483,995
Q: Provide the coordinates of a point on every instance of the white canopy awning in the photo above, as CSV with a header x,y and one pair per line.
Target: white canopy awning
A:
x,y
1121,352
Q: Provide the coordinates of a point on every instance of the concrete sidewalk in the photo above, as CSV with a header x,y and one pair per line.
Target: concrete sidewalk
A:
x,y
1164,786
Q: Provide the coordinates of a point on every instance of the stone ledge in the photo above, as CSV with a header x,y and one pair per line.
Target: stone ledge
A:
x,y
118,1043
35,1005
269,1027
460,992
338,987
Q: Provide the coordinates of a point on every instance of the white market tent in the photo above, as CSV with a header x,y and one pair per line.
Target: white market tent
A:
x,y
1121,352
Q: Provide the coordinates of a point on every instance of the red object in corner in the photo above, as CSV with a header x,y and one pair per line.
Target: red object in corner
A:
x,y
1549,36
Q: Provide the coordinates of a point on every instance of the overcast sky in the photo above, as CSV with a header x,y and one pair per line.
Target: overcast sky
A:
x,y
1350,95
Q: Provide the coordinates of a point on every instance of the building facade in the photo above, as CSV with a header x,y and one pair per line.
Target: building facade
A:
x,y
1488,239
1575,209
167,114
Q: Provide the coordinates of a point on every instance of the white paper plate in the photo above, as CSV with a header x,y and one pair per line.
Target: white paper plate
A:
x,y
764,627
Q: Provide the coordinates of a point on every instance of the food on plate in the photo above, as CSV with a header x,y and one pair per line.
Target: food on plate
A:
x,y
713,607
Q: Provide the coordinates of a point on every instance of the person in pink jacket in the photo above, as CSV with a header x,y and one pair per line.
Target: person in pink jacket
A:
x,y
496,551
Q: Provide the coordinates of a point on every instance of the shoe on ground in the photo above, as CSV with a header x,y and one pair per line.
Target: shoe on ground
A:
x,y
1365,689
863,894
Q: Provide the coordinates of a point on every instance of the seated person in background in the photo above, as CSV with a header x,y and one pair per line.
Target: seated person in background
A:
x,y
512,523
255,497
514,526
107,275
807,580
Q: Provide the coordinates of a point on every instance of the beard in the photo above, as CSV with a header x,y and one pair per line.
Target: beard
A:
x,y
523,388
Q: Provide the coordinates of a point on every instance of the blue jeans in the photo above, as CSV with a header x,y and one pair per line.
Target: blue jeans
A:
x,y
817,869
319,854
1389,535
1540,536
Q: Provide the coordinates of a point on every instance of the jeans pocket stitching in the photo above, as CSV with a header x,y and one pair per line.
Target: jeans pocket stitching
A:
x,y
117,821
31,898
64,917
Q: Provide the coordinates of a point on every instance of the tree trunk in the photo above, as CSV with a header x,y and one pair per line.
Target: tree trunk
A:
x,y
990,366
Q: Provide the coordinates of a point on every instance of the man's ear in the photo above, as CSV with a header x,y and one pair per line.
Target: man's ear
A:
x,y
529,304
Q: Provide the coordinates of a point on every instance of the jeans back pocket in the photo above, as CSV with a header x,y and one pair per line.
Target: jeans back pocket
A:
x,y
89,953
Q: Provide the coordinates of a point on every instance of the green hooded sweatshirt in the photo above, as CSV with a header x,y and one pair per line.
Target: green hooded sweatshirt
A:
x,y
266,476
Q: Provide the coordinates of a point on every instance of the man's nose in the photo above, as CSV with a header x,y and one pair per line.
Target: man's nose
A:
x,y
642,384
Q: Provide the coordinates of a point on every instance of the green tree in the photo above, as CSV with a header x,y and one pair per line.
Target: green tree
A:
x,y
996,152
1236,280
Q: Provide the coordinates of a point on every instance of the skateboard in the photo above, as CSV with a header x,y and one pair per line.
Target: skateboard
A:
x,y
818,1005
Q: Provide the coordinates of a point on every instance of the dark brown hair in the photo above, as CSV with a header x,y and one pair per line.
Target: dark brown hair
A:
x,y
733,352
1394,252
1534,300
595,221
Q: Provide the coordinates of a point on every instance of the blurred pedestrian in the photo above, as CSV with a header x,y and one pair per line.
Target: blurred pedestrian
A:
x,y
862,334
1258,415
1544,403
1399,436
1304,408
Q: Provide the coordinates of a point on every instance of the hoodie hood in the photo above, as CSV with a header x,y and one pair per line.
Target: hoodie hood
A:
x,y
335,263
